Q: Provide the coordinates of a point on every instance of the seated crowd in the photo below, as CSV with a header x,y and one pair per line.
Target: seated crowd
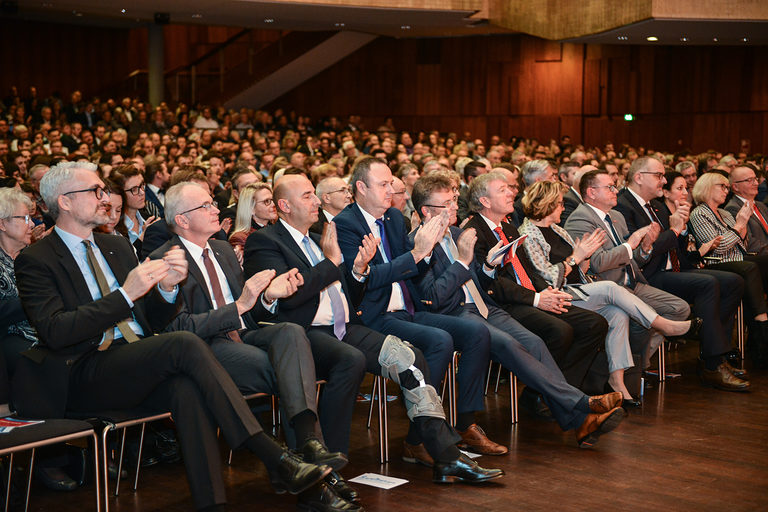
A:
x,y
176,259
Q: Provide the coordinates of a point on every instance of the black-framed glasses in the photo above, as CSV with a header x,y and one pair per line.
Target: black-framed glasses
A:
x,y
206,205
137,189
25,217
98,191
447,204
723,186
753,179
657,175
612,188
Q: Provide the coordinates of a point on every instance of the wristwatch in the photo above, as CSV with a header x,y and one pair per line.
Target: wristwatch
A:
x,y
571,261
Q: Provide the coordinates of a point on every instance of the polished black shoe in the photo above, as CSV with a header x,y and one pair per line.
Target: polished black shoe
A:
x,y
295,476
342,488
723,379
463,469
322,498
534,403
315,453
693,331
632,403
55,479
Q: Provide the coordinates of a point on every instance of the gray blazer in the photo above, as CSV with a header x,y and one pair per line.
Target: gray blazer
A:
x,y
757,238
609,261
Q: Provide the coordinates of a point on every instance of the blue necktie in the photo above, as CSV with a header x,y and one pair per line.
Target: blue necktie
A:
x,y
617,241
337,306
407,301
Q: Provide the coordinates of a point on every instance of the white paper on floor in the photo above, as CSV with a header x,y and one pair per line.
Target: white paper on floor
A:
x,y
376,480
470,454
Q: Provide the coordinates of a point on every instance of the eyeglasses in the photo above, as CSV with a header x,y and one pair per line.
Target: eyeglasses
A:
x,y
723,186
447,204
657,175
207,205
25,217
753,179
266,202
98,191
345,190
612,188
136,190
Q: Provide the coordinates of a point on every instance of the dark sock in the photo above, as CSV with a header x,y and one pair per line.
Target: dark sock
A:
x,y
407,380
464,420
304,425
712,362
266,449
583,405
450,454
413,438
221,507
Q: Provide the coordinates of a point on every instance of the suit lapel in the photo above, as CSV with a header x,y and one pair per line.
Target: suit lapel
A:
x,y
67,261
194,269
288,240
230,273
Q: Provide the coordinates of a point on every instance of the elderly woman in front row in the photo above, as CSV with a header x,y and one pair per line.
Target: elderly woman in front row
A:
x,y
709,222
561,261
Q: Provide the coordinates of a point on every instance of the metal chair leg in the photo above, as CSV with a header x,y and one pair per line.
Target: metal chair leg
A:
x,y
452,413
104,466
383,423
8,485
488,378
120,460
513,397
374,388
740,329
138,461
97,477
662,362
29,479
498,379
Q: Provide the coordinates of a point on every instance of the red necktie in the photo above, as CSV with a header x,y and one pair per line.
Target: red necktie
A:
x,y
525,281
760,217
216,287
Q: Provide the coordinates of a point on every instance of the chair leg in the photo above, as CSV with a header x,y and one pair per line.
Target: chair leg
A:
x,y
8,485
317,395
662,362
97,476
513,397
452,390
740,328
120,460
498,379
488,377
29,479
138,461
105,471
374,388
383,426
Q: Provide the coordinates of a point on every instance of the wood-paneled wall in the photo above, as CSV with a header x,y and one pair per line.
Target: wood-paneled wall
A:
x,y
681,97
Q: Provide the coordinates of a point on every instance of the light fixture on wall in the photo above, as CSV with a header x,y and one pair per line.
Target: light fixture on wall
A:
x,y
652,38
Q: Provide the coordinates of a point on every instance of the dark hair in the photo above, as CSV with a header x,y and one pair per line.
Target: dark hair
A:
x,y
588,180
671,176
471,170
425,186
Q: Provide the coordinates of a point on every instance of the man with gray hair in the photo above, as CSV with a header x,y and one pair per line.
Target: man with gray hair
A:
x,y
531,172
91,302
334,195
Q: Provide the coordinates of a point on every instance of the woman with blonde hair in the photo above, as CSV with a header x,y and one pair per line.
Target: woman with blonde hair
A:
x,y
562,262
255,210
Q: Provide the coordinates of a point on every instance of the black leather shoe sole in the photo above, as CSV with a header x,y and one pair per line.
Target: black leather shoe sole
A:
x,y
610,423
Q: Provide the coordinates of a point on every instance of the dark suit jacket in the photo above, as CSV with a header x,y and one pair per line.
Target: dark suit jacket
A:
x,y
757,240
351,228
571,201
463,212
197,314
157,207
68,321
636,217
441,286
273,248
318,226
505,289
158,233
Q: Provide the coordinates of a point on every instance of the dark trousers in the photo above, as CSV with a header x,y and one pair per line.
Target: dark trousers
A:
x,y
573,338
715,296
437,336
174,372
754,288
362,346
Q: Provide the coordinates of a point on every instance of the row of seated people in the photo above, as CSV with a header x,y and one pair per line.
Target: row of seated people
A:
x,y
345,302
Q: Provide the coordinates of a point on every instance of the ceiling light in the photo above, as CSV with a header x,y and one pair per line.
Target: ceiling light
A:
x,y
652,38
197,15
340,24
269,20
745,39
405,27
684,39
622,38
714,39
122,11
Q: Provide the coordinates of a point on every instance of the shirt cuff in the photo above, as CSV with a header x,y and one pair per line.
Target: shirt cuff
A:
x,y
169,297
129,301
629,250
269,307
536,299
462,264
490,273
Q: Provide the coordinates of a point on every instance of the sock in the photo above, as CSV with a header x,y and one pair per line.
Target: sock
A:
x,y
304,425
464,420
265,449
712,362
450,454
583,405
414,437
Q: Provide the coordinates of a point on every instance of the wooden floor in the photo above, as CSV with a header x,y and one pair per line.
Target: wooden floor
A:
x,y
689,448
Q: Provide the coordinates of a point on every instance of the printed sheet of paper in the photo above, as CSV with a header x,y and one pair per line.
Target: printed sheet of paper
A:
x,y
376,480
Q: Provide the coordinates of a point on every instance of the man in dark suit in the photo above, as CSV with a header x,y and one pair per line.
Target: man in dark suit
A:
x,y
156,177
744,186
623,252
454,286
224,311
325,305
392,304
715,294
95,310
573,335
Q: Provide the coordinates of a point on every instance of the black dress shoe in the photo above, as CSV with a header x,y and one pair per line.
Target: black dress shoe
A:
x,y
632,403
342,488
295,476
315,453
55,479
534,403
693,330
322,498
463,469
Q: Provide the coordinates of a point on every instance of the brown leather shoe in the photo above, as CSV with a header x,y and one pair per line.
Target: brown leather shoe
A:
x,y
722,378
606,402
475,440
739,373
596,425
417,454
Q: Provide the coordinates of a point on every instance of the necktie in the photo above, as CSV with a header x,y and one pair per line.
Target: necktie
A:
x,y
760,217
101,280
517,265
385,243
213,277
337,306
617,241
470,285
673,259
